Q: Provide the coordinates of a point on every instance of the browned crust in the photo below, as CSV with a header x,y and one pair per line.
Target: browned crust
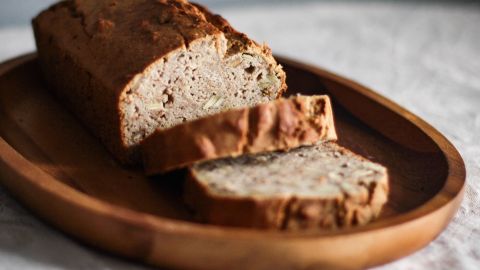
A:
x,y
277,125
90,50
286,212
230,211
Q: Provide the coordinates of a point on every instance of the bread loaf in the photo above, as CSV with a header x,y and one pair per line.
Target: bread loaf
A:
x,y
277,125
126,68
323,186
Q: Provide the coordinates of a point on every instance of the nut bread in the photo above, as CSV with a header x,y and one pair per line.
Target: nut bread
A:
x,y
278,125
126,68
324,186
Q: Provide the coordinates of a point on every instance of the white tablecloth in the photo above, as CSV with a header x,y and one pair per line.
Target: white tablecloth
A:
x,y
425,57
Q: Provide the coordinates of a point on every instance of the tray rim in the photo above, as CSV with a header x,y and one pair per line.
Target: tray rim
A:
x,y
450,195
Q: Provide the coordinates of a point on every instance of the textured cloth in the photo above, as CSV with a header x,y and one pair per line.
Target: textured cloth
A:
x,y
425,57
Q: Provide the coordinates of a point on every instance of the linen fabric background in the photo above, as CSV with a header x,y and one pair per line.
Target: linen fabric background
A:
x,y
425,56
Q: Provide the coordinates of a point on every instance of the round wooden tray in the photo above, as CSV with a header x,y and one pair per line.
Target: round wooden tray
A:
x,y
55,167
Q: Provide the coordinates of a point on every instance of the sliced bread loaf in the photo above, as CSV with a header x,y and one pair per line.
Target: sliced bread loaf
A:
x,y
277,125
320,186
129,67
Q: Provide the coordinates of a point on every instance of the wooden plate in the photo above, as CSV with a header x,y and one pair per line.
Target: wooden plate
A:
x,y
55,167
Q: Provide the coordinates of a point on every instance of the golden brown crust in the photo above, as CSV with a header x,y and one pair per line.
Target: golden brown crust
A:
x,y
286,212
277,125
91,50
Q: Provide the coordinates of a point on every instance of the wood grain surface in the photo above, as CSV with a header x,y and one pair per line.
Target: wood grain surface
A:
x,y
55,167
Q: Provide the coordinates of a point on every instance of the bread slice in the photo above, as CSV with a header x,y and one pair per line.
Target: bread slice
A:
x,y
322,186
129,67
277,125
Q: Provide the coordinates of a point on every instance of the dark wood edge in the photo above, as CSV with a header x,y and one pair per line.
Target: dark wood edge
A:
x,y
449,196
